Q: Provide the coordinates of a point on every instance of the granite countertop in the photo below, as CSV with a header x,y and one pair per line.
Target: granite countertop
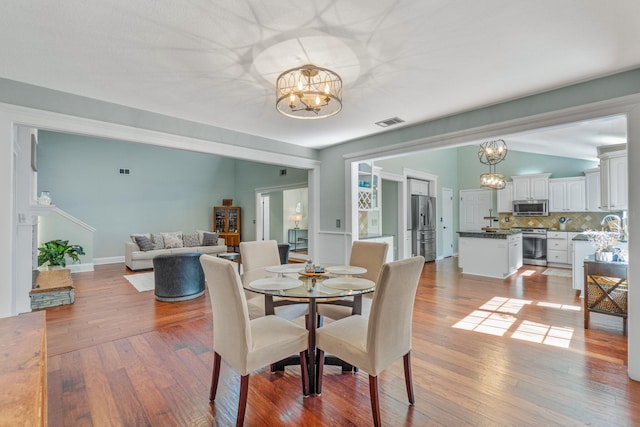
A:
x,y
583,237
500,234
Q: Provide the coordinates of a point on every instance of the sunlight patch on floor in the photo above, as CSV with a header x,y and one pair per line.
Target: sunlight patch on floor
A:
x,y
544,334
505,305
497,316
528,273
559,306
486,322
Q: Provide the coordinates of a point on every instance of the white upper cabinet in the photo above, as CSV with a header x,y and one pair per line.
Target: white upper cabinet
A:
x,y
592,185
531,187
614,185
567,194
417,186
505,198
614,181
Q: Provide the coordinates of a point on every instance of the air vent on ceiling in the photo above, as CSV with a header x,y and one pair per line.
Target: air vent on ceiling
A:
x,y
390,122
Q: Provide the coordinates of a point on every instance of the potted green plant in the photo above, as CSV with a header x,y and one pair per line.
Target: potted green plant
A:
x,y
55,252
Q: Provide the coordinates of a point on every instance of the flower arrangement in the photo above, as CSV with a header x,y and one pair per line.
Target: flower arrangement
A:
x,y
602,240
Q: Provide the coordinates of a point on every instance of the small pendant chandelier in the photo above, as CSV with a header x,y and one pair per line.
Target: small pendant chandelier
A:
x,y
309,92
491,153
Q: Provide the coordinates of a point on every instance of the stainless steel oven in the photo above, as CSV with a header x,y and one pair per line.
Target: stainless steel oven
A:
x,y
534,246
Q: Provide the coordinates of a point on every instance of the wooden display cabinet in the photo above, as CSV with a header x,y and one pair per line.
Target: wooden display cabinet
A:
x,y
226,222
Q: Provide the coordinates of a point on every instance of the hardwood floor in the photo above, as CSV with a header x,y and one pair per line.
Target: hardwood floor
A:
x,y
485,352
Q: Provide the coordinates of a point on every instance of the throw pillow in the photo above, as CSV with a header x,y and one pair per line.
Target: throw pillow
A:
x,y
191,239
144,243
172,240
209,239
133,236
158,241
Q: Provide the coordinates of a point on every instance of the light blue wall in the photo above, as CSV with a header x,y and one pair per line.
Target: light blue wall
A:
x,y
249,177
442,163
517,163
167,189
333,158
276,215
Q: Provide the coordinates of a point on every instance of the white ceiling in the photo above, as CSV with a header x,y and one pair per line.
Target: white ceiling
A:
x,y
216,61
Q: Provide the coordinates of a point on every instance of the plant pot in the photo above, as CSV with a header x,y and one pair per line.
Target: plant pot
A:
x,y
604,256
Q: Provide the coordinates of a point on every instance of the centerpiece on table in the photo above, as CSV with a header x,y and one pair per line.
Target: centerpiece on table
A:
x,y
604,242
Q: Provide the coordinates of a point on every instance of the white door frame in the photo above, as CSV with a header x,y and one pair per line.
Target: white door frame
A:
x,y
260,191
266,216
446,222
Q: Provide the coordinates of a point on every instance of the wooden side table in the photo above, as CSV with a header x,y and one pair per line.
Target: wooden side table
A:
x,y
53,287
605,289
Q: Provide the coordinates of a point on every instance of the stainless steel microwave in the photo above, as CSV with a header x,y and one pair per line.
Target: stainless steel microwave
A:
x,y
530,208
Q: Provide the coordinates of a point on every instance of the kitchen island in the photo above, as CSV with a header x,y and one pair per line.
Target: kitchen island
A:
x,y
493,254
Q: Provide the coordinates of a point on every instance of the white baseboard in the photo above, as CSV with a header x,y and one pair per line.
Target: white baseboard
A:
x,y
79,268
108,260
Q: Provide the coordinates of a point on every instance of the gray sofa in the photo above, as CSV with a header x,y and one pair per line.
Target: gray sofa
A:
x,y
138,259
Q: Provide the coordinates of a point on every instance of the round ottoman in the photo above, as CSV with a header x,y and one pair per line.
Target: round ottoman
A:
x,y
178,277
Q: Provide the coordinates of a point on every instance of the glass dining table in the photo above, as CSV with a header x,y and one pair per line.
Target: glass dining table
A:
x,y
293,285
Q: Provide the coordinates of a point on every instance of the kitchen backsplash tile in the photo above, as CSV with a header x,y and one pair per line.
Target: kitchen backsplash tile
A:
x,y
577,221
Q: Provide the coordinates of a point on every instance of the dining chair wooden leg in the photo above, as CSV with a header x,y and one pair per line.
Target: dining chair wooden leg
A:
x,y
217,361
408,378
320,367
304,373
375,402
242,403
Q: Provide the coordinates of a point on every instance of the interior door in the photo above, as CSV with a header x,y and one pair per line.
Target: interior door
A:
x,y
447,222
474,206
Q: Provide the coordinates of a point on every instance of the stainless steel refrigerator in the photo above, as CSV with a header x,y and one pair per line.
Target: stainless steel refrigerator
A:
x,y
422,224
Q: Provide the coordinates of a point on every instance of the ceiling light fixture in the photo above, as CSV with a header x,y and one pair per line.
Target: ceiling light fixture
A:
x,y
491,153
309,92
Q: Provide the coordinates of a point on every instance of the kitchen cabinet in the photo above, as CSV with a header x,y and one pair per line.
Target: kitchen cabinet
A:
x,y
613,181
226,222
531,187
581,249
557,247
505,198
495,256
368,187
417,186
369,199
384,239
567,194
592,189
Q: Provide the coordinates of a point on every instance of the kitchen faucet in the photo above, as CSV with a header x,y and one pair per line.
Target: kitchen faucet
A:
x,y
613,223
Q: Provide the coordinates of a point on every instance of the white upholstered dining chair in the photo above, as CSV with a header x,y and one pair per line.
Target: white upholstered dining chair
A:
x,y
245,344
261,254
375,342
369,255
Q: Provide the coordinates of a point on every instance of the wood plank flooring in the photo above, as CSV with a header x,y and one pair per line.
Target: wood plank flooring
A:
x,y
486,352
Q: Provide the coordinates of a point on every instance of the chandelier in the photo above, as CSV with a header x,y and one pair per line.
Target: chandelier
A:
x,y
308,92
491,153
